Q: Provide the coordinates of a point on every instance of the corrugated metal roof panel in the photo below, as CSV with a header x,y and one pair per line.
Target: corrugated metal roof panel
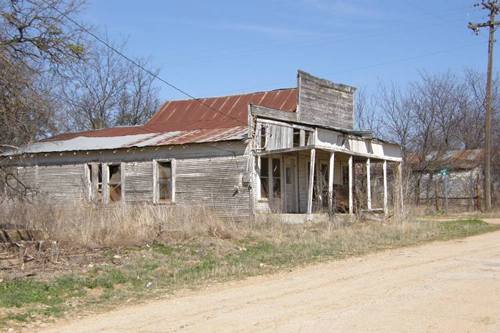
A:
x,y
83,143
219,112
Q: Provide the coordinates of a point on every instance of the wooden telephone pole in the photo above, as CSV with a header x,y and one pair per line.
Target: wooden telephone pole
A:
x,y
494,9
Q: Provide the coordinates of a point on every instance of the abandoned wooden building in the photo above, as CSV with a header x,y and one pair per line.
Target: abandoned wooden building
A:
x,y
287,151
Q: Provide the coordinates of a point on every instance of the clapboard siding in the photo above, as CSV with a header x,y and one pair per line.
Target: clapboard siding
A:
x,y
214,182
325,103
138,181
61,182
280,137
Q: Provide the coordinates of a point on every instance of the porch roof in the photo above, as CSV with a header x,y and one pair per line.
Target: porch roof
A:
x,y
329,149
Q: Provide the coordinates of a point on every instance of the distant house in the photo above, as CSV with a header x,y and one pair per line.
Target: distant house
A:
x,y
461,169
281,151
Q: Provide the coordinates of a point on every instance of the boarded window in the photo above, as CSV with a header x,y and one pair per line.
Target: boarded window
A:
x,y
165,181
115,182
276,177
264,177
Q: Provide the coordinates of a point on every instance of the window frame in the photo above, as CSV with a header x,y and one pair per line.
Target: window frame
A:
x,y
156,181
108,184
267,159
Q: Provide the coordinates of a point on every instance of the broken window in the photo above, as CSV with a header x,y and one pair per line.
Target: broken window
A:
x,y
264,177
164,179
263,137
307,136
88,180
99,182
288,175
296,137
345,175
276,164
115,182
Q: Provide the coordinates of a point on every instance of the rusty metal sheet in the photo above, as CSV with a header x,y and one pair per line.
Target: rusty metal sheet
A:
x,y
218,112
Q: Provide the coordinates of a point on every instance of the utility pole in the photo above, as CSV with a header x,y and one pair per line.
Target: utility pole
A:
x,y
494,9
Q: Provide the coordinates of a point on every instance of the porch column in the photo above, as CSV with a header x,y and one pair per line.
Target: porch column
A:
x,y
351,199
384,168
331,175
400,176
368,185
311,181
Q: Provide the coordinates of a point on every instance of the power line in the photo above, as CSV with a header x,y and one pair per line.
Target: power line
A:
x,y
135,63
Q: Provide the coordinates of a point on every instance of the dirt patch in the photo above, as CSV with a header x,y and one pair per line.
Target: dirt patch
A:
x,y
492,220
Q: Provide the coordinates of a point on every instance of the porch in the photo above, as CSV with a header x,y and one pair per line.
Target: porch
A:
x,y
318,180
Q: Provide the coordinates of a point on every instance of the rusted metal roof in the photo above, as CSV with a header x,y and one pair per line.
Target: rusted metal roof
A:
x,y
451,159
205,113
218,112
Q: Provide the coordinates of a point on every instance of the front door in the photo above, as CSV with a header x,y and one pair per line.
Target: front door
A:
x,y
291,184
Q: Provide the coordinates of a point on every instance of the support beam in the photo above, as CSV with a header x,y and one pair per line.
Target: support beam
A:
x,y
331,175
384,168
351,199
400,181
368,185
311,181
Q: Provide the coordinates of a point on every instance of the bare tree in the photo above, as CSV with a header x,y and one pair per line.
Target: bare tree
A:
x,y
139,100
33,32
34,41
93,91
105,90
396,113
366,116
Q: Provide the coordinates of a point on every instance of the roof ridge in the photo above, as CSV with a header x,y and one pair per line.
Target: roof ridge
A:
x,y
230,95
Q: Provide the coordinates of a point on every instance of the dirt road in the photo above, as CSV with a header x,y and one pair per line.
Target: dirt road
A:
x,y
440,287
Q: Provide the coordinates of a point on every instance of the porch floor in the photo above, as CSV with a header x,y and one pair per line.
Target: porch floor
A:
x,y
303,218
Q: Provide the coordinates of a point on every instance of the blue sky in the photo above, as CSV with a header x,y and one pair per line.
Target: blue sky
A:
x,y
218,47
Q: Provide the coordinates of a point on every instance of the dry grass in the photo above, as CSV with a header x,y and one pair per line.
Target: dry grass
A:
x,y
150,250
81,225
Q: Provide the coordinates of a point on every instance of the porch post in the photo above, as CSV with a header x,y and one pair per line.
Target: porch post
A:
x,y
384,167
400,176
351,199
311,181
368,185
331,174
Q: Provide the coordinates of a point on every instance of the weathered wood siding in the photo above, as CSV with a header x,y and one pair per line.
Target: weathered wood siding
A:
x,y
217,183
325,103
59,183
204,176
138,181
